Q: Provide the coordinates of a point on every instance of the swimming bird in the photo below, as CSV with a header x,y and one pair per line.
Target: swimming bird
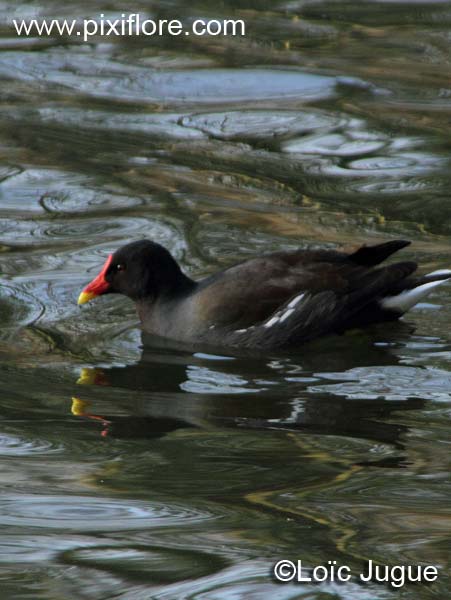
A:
x,y
275,300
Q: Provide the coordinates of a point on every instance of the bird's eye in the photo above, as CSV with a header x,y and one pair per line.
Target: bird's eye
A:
x,y
120,267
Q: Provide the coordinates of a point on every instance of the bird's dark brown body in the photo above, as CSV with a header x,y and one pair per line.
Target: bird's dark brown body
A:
x,y
273,301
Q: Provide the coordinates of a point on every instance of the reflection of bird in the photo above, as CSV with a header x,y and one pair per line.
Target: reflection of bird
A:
x,y
319,415
161,404
274,301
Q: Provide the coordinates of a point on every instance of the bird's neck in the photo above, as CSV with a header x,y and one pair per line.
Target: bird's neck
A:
x,y
167,290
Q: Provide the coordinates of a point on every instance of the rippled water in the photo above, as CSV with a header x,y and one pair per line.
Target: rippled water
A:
x,y
131,469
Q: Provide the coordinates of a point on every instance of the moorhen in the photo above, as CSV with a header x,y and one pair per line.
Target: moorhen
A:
x,y
273,301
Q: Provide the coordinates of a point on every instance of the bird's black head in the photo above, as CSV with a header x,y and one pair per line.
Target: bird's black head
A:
x,y
138,270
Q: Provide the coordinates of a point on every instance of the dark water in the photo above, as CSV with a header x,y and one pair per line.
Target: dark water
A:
x,y
161,473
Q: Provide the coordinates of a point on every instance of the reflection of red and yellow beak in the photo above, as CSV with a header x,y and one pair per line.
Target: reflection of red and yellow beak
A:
x,y
98,286
92,376
80,408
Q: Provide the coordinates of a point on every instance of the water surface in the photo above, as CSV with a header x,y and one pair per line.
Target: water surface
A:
x,y
135,469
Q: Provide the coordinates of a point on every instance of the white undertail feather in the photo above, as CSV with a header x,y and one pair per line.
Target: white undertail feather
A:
x,y
440,272
406,300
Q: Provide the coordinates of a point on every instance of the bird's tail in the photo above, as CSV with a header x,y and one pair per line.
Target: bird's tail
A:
x,y
417,290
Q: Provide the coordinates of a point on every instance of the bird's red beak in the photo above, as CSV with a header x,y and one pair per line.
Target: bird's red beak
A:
x,y
98,286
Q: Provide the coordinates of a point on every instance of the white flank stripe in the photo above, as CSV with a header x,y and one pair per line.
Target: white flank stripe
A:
x,y
295,300
280,316
286,314
271,322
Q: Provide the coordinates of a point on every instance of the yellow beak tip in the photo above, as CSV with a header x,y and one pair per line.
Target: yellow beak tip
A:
x,y
89,375
85,297
78,408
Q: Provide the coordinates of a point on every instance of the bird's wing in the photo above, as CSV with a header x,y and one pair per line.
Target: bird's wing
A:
x,y
251,291
299,294
314,313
